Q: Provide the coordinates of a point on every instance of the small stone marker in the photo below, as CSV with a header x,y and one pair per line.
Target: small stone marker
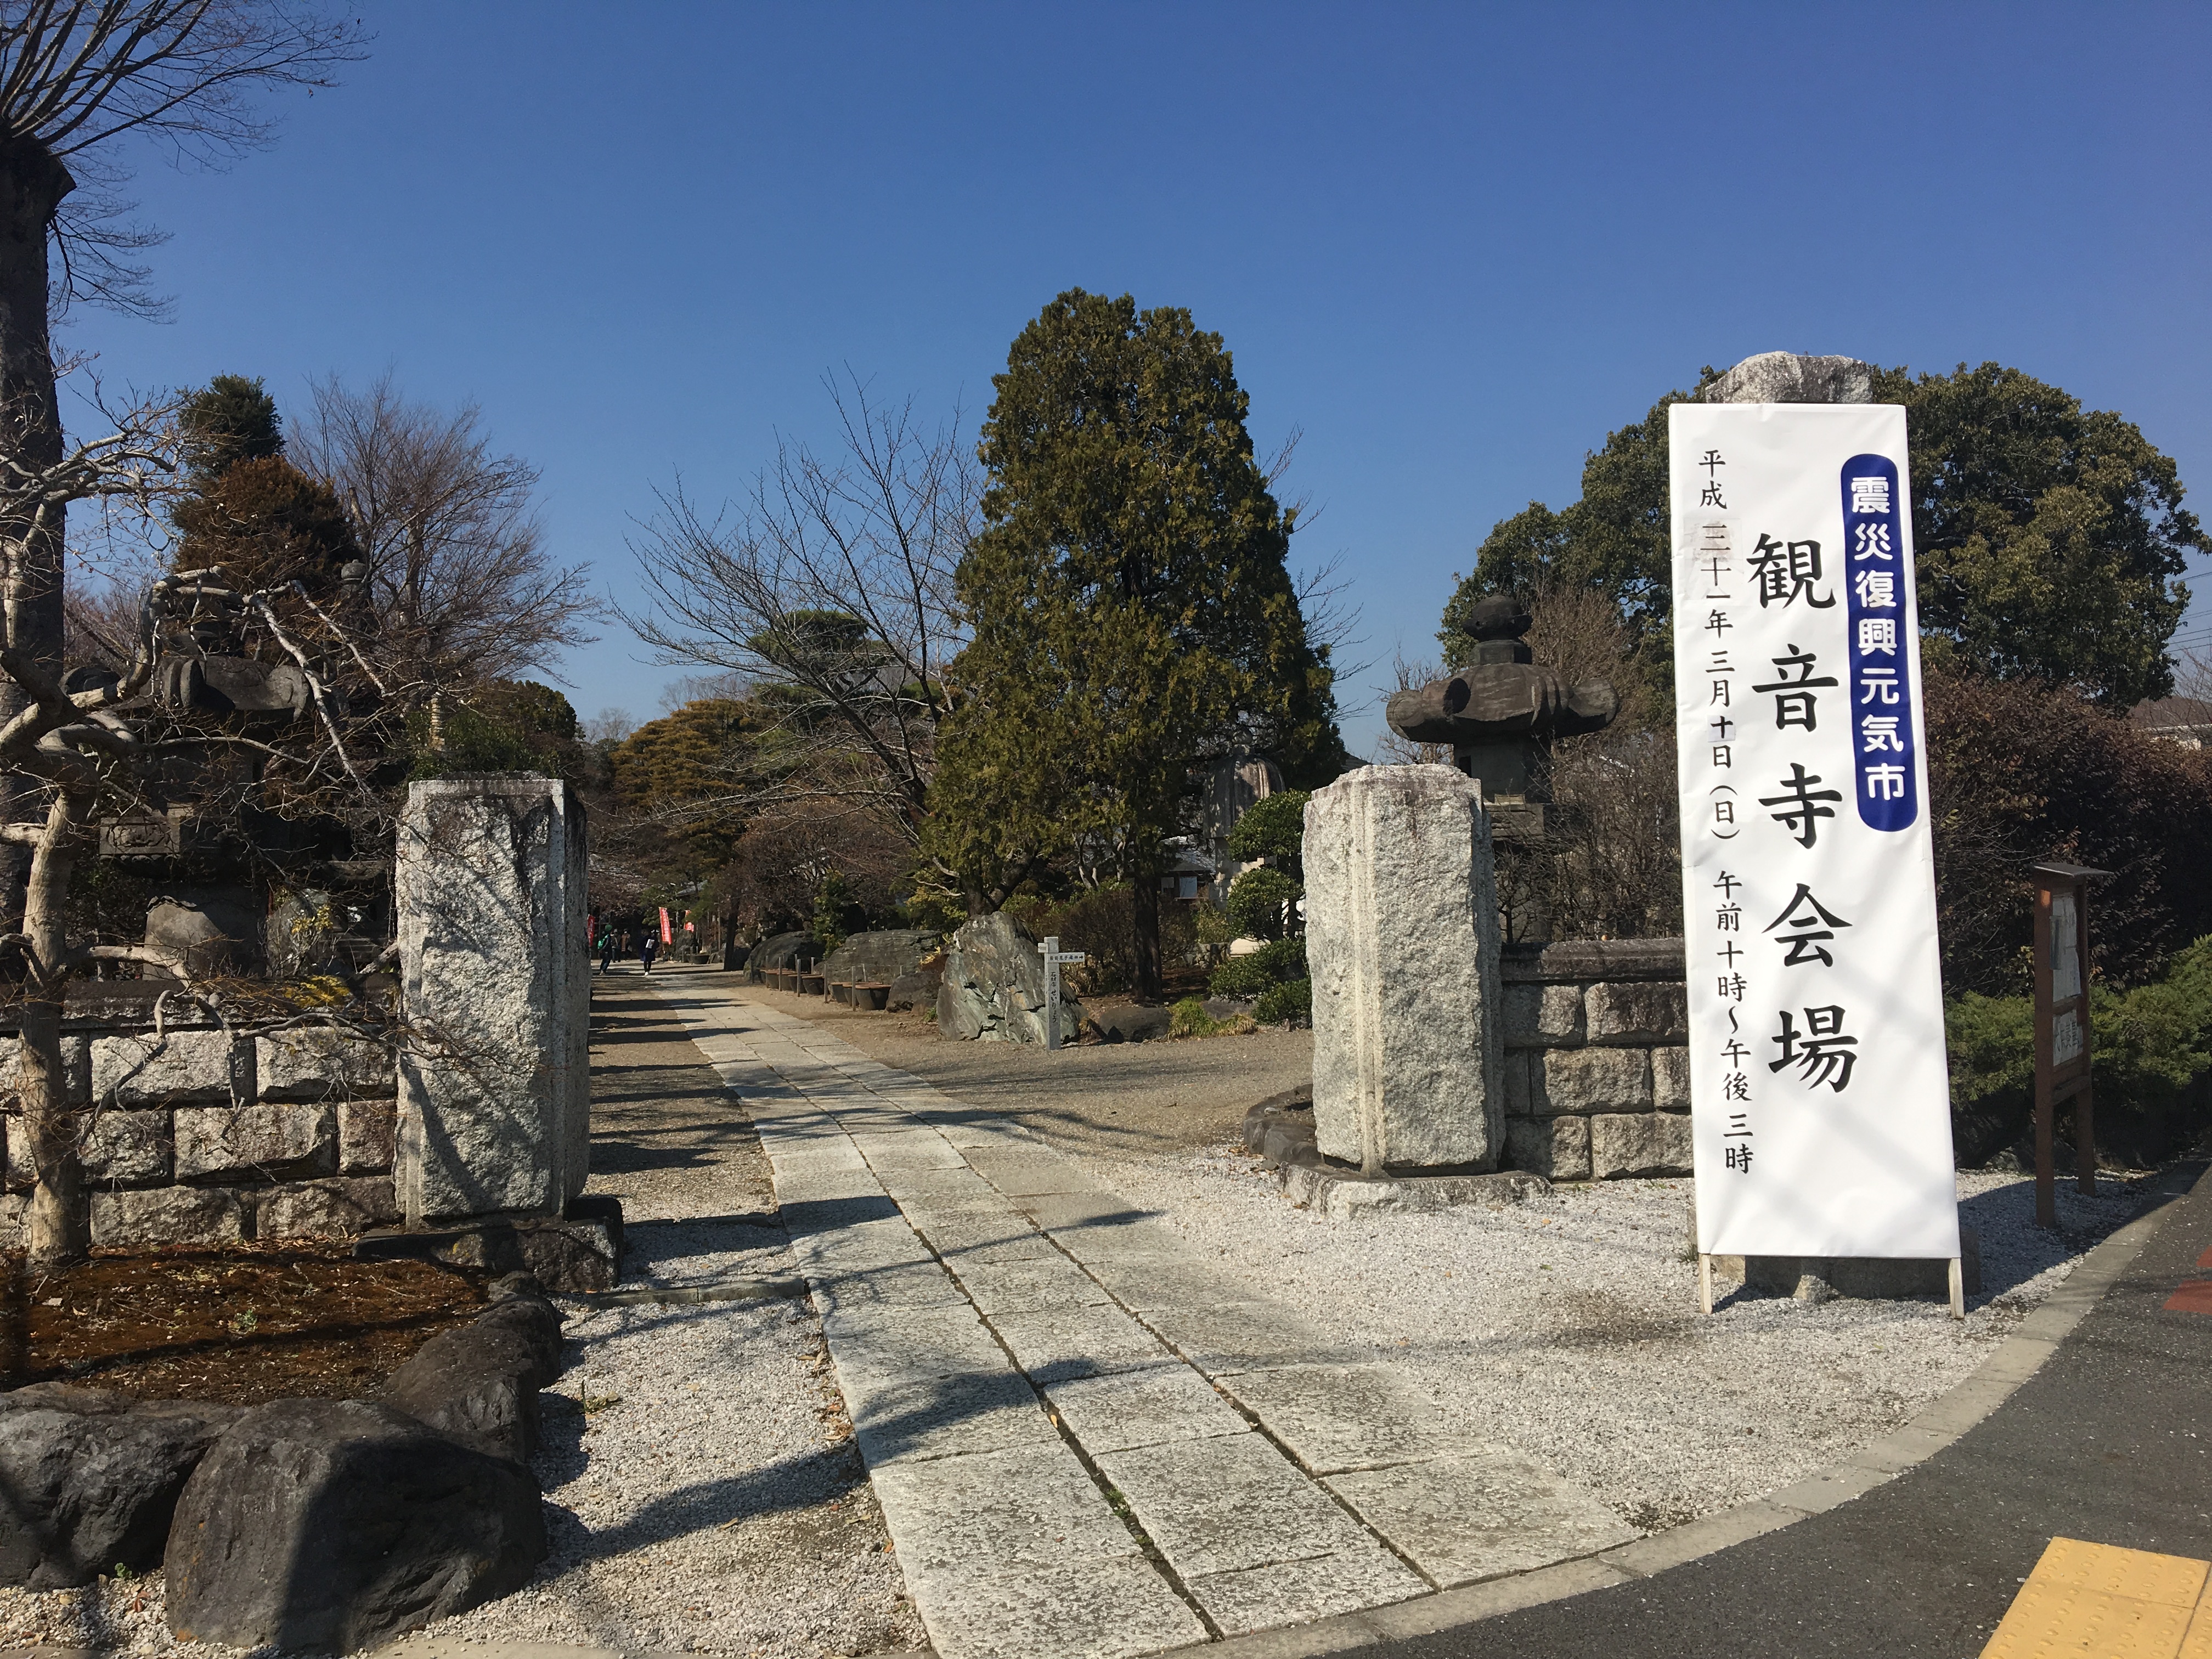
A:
x,y
1055,959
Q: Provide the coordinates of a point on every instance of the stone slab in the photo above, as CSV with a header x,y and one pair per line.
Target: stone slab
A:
x,y
1226,1505
1123,1237
1271,1597
1016,1552
1168,1281
1028,1287
1339,1417
1340,1195
1055,1344
1028,1174
1639,1144
1480,1514
1557,1148
914,1284
326,1209
982,1236
168,1215
1061,1214
312,1063
1242,1337
1640,1014
901,1419
179,1065
919,1149
1544,1016
280,1142
875,1341
1588,1080
366,1129
1147,1407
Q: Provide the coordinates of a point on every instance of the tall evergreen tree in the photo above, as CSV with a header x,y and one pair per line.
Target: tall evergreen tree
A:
x,y
1132,613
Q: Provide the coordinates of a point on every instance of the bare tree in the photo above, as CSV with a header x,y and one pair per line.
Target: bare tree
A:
x,y
77,79
91,748
828,589
461,584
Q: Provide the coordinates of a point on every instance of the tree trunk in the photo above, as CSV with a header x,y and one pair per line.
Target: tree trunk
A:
x,y
60,1218
1145,914
32,185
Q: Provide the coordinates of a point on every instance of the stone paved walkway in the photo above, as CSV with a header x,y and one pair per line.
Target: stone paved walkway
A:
x,y
1084,1440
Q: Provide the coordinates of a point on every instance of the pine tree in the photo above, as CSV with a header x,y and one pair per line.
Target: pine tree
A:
x,y
251,511
1133,616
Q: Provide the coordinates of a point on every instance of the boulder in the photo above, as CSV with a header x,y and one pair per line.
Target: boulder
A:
x,y
917,989
331,1526
1134,1022
88,1479
878,958
781,951
478,1383
994,985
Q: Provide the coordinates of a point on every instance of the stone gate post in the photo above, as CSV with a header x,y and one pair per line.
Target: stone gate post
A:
x,y
495,1084
1402,943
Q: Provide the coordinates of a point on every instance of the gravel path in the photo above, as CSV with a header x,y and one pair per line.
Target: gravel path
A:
x,y
1130,1098
1568,1327
702,1486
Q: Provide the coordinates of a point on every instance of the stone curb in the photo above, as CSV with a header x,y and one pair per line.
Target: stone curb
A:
x,y
1942,1421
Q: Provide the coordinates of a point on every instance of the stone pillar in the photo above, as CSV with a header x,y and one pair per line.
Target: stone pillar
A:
x,y
1401,939
495,1086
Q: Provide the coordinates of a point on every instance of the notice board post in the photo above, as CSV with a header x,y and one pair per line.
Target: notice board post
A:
x,y
1819,1087
2062,1027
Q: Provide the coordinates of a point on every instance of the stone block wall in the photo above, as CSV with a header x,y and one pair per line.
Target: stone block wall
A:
x,y
1597,1077
204,1138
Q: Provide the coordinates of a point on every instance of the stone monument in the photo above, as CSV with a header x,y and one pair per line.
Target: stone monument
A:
x,y
1402,942
495,1086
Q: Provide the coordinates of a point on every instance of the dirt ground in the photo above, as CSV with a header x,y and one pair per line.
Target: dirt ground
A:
x,y
248,1323
1127,1098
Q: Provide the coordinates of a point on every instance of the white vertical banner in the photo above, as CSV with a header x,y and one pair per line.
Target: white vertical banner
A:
x,y
1819,1090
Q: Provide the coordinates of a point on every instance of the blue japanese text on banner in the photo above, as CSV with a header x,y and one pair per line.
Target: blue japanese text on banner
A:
x,y
1881,690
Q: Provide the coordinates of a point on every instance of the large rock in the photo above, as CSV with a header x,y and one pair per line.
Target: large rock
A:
x,y
1401,936
1588,1080
88,1479
319,1063
478,1383
329,1526
326,1209
120,1149
878,958
1783,377
917,989
994,985
781,951
494,1111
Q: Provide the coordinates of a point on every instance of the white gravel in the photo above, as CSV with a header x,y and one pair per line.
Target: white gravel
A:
x,y
1568,1326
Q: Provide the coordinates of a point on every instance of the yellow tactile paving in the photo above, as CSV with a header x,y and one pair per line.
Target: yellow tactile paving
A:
x,y
2095,1601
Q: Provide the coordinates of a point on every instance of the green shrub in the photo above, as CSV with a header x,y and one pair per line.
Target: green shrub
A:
x,y
1290,1002
1260,901
2151,1058
1266,968
1273,827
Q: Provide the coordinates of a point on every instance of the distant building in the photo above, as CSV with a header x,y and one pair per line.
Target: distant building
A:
x,y
2184,720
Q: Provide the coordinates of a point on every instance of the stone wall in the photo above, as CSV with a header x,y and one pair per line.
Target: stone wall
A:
x,y
1597,1079
203,1137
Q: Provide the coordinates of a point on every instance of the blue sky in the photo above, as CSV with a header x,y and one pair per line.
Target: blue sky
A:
x,y
1454,244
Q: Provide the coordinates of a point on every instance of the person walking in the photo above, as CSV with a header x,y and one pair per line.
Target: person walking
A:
x,y
647,948
606,949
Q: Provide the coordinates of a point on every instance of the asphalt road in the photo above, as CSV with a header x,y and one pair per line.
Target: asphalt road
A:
x,y
2111,1441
